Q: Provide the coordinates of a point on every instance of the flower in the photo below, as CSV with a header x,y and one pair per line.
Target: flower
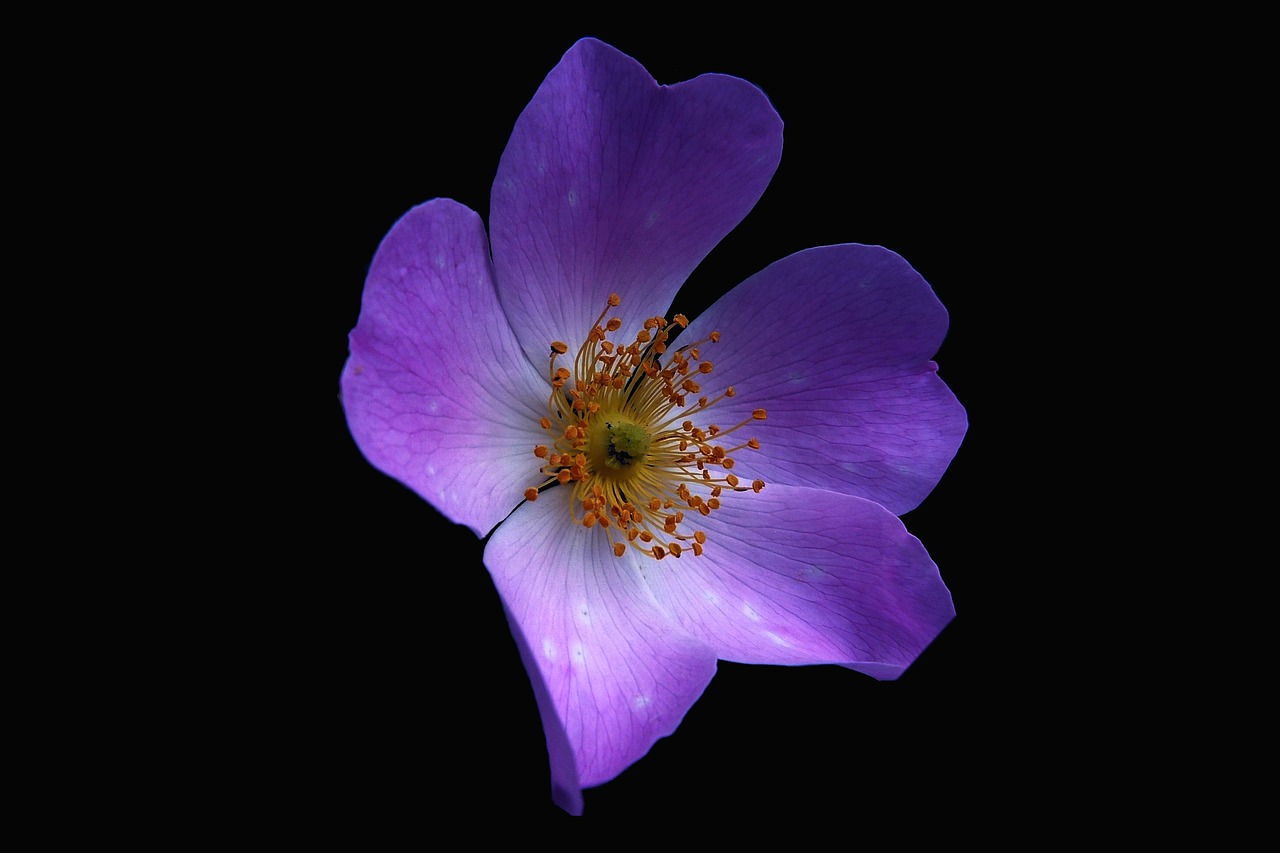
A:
x,y
658,493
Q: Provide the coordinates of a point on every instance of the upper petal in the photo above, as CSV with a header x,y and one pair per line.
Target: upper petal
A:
x,y
835,343
800,576
612,675
435,391
611,183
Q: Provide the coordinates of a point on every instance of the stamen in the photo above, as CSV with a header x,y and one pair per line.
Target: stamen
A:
x,y
618,434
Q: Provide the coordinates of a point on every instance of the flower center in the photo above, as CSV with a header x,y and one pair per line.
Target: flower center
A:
x,y
620,438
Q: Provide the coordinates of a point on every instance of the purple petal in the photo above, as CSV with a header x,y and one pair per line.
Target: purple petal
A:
x,y
800,576
435,391
611,674
836,344
611,183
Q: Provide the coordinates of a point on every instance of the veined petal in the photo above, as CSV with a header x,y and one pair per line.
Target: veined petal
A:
x,y
611,183
615,675
435,390
835,343
802,576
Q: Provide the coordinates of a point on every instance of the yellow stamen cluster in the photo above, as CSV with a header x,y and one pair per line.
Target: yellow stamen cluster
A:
x,y
617,436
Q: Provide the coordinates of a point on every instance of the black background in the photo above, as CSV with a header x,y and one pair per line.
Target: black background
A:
x,y
411,701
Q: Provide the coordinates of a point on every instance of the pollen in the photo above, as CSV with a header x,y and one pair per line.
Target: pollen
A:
x,y
623,432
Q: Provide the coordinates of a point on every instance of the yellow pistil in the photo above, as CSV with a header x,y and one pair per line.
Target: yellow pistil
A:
x,y
618,435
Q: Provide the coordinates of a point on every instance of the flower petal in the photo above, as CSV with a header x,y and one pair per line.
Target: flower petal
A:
x,y
611,183
615,675
435,391
836,344
801,576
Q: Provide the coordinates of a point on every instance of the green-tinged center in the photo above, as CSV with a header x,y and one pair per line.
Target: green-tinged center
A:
x,y
621,437
625,444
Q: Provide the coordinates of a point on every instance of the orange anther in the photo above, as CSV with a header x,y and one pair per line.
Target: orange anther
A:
x,y
614,324
759,414
559,347
658,553
540,451
614,300
681,320
754,444
531,494
757,485
675,549
563,476
699,536
697,549
619,549
705,367
545,423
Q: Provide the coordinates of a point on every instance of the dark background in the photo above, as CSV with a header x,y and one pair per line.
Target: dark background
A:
x,y
415,703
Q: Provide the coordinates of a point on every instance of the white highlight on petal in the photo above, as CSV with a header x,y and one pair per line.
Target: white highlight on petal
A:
x,y
642,701
750,612
579,654
582,614
548,649
709,595
777,639
573,198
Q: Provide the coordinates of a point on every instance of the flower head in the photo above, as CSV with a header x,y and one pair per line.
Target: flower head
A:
x,y
658,493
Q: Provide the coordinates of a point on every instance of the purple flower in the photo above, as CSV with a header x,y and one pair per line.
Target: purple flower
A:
x,y
658,494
